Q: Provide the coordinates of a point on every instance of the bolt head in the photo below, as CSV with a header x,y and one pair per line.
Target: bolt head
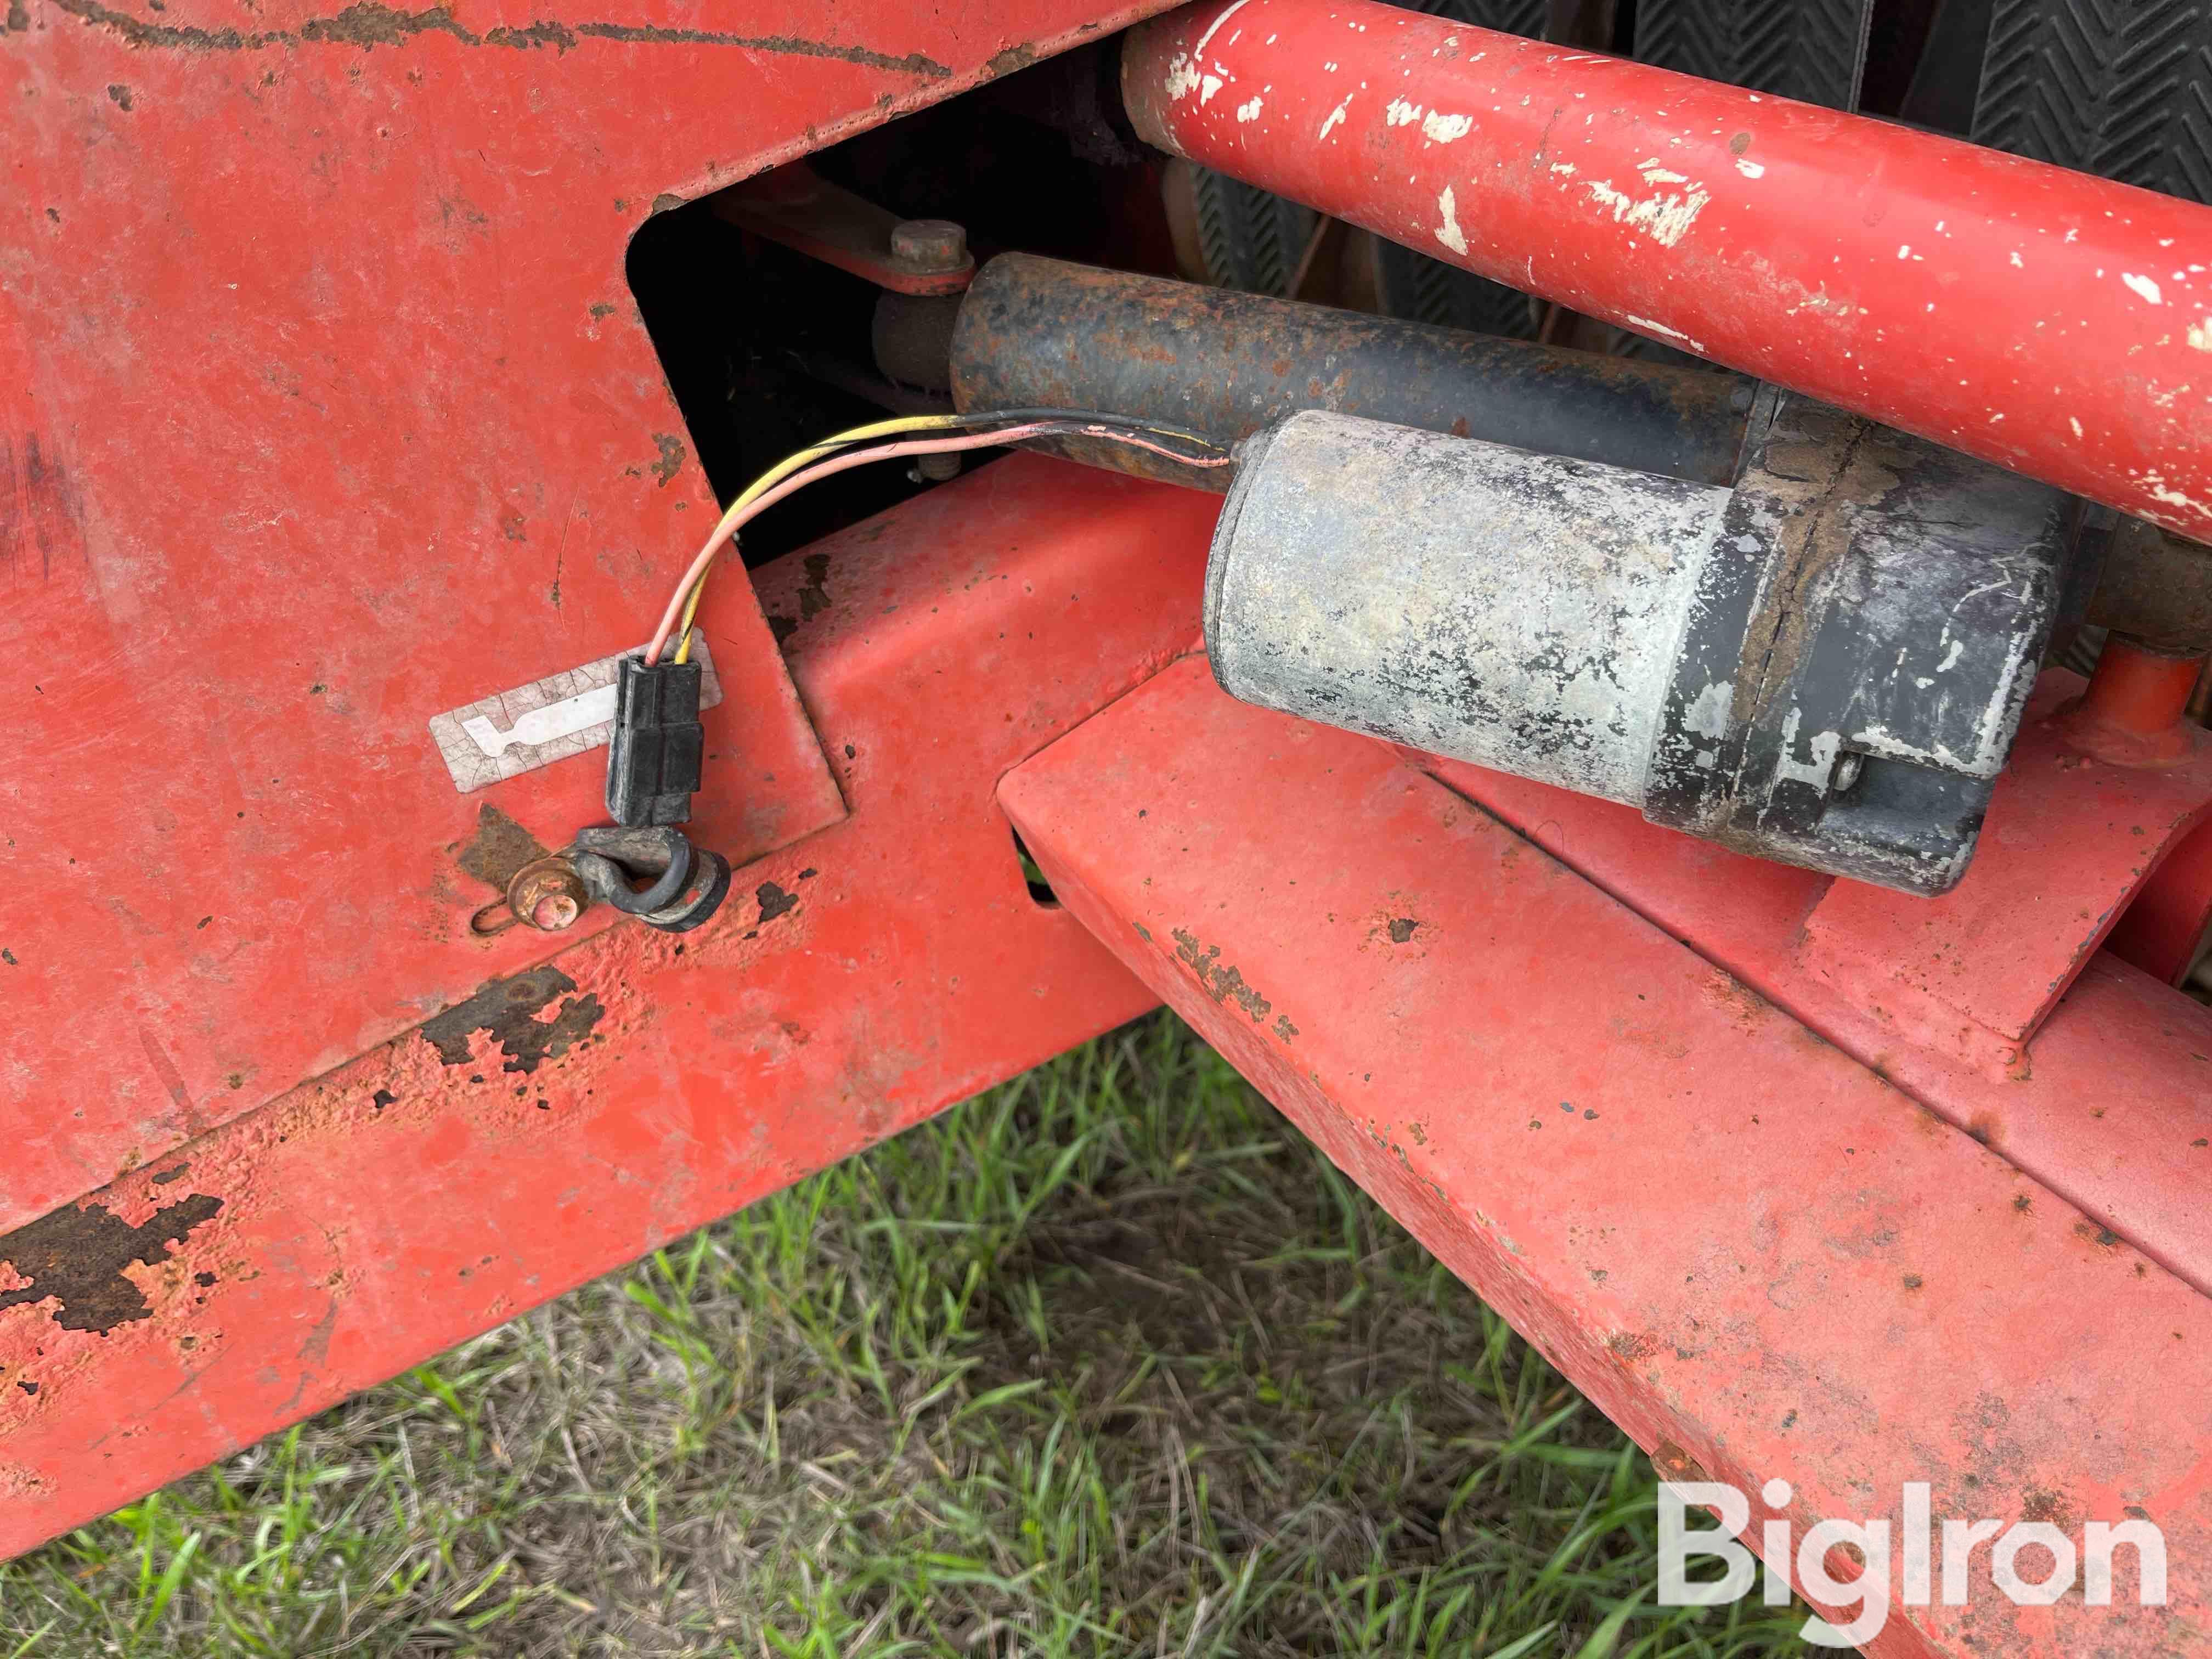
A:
x,y
555,912
548,894
929,244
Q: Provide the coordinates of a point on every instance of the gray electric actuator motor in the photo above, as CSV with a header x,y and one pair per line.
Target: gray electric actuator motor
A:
x,y
1826,664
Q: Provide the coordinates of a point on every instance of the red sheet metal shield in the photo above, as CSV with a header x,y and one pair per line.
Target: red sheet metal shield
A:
x,y
324,408
556,1122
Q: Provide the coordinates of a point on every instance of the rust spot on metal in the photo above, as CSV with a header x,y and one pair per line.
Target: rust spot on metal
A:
x,y
1670,1462
671,456
1724,991
773,902
368,25
508,1010
2038,1505
1402,929
499,848
1223,983
1633,1345
813,600
77,1256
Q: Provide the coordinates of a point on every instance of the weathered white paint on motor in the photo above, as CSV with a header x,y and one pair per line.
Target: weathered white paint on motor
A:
x,y
1522,612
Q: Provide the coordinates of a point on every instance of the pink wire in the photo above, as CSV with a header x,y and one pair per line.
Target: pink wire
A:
x,y
888,451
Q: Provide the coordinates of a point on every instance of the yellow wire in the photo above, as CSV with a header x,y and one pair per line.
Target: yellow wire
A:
x,y
776,475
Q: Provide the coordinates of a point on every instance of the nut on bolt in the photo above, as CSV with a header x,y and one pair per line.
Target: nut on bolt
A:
x,y
548,894
929,245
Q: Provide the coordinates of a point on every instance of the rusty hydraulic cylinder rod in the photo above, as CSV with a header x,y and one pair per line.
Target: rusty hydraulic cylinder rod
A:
x,y
2050,322
1040,332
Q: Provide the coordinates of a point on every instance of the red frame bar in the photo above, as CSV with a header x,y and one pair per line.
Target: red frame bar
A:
x,y
1746,1248
2046,320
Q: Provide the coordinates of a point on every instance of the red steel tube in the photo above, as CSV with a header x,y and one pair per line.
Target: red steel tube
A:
x,y
2135,712
2053,323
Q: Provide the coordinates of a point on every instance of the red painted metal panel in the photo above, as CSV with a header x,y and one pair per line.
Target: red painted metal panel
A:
x,y
2166,930
2112,1109
1751,1252
2069,842
324,408
2042,319
563,1121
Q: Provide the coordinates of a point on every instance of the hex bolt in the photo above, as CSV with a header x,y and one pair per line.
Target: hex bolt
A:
x,y
548,894
1849,767
929,245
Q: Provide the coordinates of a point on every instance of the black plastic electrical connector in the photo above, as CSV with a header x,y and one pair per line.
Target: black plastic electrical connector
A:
x,y
653,761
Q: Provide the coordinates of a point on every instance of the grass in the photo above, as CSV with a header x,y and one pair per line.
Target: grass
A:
x,y
1107,1361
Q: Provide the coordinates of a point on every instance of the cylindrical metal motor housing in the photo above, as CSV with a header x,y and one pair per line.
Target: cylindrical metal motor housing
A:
x,y
1824,666
1522,612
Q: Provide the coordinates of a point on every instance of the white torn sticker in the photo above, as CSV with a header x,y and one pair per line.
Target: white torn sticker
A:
x,y
503,736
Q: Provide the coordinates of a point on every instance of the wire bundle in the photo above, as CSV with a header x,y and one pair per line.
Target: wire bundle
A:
x,y
861,444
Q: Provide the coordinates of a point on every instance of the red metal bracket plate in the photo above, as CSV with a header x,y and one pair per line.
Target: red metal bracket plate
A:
x,y
2113,1112
2069,842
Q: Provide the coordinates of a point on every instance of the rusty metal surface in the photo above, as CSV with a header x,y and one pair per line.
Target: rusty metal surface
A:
x,y
560,1120
324,408
1043,331
1748,1249
2035,317
2156,587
